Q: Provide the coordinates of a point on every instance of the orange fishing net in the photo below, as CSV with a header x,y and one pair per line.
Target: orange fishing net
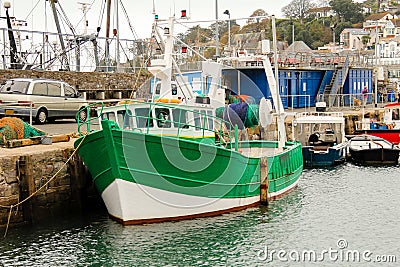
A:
x,y
14,128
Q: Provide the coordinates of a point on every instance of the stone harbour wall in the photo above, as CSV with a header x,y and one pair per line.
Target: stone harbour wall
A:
x,y
89,82
22,175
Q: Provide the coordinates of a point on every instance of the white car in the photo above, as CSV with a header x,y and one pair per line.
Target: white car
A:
x,y
45,100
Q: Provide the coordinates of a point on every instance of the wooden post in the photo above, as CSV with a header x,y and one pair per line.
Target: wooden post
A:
x,y
27,186
78,181
264,180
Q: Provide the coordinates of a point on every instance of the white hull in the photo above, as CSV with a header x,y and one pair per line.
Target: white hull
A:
x,y
275,195
132,203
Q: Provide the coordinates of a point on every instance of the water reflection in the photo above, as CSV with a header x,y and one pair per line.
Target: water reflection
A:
x,y
356,203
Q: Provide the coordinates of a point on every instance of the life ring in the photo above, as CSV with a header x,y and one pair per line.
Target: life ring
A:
x,y
168,100
125,102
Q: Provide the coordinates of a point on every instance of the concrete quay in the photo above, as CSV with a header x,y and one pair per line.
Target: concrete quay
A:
x,y
24,170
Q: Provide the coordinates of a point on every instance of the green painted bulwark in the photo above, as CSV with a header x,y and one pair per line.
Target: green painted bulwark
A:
x,y
184,166
154,161
285,168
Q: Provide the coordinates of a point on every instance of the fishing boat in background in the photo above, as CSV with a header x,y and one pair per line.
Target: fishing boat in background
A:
x,y
322,135
388,129
173,159
368,149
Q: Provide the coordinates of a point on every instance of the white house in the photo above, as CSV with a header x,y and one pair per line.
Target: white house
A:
x,y
352,38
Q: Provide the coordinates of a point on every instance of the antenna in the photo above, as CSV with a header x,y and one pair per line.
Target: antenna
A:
x,y
190,10
85,9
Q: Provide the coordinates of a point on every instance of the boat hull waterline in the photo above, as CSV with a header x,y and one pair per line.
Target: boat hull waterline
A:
x,y
142,180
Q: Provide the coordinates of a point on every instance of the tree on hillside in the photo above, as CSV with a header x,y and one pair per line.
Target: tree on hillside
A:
x,y
347,10
255,23
196,35
323,3
298,9
257,13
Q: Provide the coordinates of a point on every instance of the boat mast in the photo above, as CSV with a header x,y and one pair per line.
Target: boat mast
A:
x,y
162,68
15,63
64,56
107,48
273,82
116,32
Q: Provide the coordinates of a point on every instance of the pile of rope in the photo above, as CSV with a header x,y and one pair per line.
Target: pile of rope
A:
x,y
15,128
243,112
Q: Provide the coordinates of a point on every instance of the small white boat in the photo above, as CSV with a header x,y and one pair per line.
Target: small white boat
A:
x,y
322,136
368,149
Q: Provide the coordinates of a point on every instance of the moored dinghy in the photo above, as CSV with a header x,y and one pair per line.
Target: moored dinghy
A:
x,y
322,135
368,149
388,129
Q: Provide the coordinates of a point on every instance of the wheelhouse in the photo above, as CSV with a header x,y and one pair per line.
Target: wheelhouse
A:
x,y
192,122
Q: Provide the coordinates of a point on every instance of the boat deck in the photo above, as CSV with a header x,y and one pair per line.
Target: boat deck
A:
x,y
260,151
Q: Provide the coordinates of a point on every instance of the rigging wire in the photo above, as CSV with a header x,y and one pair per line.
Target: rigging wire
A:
x,y
129,22
90,6
63,16
100,21
27,16
45,16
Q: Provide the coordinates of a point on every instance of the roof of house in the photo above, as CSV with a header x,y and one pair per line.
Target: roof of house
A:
x,y
396,22
247,40
321,9
355,31
377,16
299,46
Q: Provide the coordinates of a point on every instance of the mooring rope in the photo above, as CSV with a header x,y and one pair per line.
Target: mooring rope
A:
x,y
38,190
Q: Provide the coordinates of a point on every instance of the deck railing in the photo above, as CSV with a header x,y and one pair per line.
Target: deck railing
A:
x,y
228,134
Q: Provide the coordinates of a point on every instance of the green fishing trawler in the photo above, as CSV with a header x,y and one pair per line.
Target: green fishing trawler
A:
x,y
172,158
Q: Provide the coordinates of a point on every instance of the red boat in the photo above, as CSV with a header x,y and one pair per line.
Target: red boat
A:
x,y
389,129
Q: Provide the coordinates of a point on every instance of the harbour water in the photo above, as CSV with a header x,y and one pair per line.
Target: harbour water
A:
x,y
344,216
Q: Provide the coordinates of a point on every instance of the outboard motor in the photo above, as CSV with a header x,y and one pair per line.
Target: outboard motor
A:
x,y
314,138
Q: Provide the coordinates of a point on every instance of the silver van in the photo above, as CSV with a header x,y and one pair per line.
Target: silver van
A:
x,y
45,100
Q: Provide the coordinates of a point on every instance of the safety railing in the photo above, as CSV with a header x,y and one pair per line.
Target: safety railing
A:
x,y
30,106
296,98
359,100
228,134
7,112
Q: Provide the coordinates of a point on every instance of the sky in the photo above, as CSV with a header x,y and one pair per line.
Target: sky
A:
x,y
40,18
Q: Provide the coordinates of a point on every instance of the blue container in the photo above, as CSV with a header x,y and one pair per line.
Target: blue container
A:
x,y
253,82
391,97
373,125
355,82
383,127
309,84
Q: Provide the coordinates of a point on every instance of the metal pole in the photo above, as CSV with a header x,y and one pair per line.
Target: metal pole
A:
x,y
334,41
4,49
64,56
30,112
275,61
78,55
107,48
376,63
229,33
293,34
216,30
117,58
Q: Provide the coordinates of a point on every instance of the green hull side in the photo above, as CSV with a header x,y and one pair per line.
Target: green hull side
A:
x,y
145,159
210,171
285,169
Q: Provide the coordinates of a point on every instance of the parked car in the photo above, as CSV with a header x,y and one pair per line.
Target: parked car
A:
x,y
50,100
